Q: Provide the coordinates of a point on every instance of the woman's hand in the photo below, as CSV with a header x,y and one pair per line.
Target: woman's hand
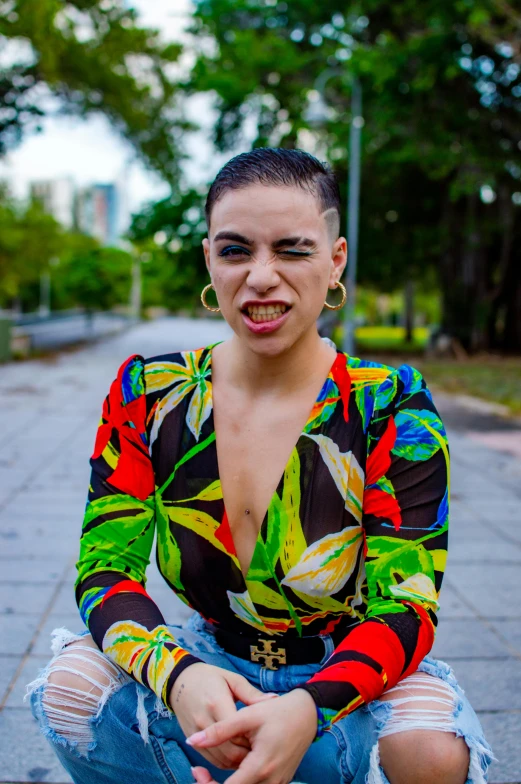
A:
x,y
279,731
204,694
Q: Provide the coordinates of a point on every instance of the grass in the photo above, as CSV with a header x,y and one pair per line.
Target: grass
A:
x,y
492,378
390,339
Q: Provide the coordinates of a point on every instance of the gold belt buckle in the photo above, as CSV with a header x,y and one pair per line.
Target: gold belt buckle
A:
x,y
267,653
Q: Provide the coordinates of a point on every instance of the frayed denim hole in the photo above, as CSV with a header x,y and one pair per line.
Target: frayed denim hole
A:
x,y
408,718
36,698
481,757
444,672
56,703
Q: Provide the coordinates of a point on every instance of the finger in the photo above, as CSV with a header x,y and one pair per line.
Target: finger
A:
x,y
249,772
239,724
235,749
245,691
202,775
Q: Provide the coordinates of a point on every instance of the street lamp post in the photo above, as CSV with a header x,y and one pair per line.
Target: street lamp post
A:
x,y
353,212
318,112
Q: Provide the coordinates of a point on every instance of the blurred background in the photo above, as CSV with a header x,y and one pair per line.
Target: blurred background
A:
x,y
115,117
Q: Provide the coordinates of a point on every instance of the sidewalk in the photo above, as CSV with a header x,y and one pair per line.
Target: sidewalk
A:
x,y
48,416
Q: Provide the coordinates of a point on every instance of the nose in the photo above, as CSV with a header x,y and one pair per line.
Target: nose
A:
x,y
262,277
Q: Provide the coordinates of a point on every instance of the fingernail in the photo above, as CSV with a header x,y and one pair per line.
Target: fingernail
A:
x,y
197,737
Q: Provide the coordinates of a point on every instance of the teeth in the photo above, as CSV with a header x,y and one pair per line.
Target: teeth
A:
x,y
259,313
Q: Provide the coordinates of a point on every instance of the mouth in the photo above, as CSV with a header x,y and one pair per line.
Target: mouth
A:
x,y
261,314
262,319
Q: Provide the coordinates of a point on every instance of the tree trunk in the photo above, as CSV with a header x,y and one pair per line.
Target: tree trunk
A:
x,y
463,274
503,300
409,311
512,331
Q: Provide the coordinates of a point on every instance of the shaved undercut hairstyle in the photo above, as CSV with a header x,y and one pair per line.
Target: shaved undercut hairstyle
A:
x,y
277,166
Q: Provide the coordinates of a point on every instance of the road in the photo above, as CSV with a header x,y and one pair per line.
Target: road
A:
x,y
48,416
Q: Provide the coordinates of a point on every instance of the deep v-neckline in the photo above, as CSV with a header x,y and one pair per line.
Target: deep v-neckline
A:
x,y
262,528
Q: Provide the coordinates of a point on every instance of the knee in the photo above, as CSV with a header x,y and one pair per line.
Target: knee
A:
x,y
429,757
72,691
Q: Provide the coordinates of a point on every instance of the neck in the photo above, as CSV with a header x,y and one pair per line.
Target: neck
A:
x,y
257,374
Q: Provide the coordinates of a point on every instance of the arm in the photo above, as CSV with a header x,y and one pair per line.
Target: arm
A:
x,y
405,521
117,536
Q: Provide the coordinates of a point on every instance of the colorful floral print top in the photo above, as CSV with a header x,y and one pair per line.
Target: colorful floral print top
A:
x,y
354,537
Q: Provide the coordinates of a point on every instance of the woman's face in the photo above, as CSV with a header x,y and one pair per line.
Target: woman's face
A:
x,y
272,256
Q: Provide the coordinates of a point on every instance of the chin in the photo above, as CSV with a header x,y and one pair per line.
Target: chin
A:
x,y
271,345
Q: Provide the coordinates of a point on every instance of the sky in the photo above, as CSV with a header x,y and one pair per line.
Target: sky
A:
x,y
90,151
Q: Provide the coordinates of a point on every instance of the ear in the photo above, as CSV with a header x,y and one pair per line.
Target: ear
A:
x,y
206,249
338,261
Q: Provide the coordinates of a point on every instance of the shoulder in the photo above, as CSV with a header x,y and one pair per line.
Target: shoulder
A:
x,y
139,375
166,370
404,378
380,387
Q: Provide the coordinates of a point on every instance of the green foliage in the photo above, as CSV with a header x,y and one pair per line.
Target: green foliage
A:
x,y
442,100
82,273
92,56
170,232
29,238
91,277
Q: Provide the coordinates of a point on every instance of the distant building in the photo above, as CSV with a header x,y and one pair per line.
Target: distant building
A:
x,y
97,212
57,198
94,210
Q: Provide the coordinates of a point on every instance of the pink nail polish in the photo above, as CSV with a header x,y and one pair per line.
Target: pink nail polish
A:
x,y
197,737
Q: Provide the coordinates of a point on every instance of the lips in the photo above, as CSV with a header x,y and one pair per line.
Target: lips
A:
x,y
261,318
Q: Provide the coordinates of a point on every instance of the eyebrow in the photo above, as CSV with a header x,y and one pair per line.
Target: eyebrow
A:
x,y
304,242
234,237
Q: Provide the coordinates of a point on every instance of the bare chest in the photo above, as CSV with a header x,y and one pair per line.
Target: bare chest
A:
x,y
254,445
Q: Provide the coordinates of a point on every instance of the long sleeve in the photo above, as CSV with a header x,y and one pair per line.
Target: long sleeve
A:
x,y
117,537
405,523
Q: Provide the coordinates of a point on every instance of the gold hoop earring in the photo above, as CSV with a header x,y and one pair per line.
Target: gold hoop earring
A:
x,y
203,298
342,301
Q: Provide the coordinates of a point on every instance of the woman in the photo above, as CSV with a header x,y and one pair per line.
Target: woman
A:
x,y
314,583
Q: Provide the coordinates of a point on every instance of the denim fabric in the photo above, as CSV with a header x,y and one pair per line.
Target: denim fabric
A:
x,y
134,739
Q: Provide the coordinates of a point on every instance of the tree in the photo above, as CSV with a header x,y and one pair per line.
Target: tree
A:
x,y
29,239
442,103
90,276
170,232
88,56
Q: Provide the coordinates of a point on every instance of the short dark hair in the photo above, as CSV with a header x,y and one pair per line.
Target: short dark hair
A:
x,y
276,166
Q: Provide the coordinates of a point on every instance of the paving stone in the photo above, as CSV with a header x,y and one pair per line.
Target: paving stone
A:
x,y
510,630
451,605
25,597
55,547
30,570
499,691
493,550
42,645
8,667
25,755
65,603
491,591
31,669
511,532
502,731
16,632
467,639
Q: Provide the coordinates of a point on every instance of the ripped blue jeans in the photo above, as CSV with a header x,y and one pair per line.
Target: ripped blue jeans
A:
x,y
124,734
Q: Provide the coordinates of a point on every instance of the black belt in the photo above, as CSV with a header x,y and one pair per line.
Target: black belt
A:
x,y
274,651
